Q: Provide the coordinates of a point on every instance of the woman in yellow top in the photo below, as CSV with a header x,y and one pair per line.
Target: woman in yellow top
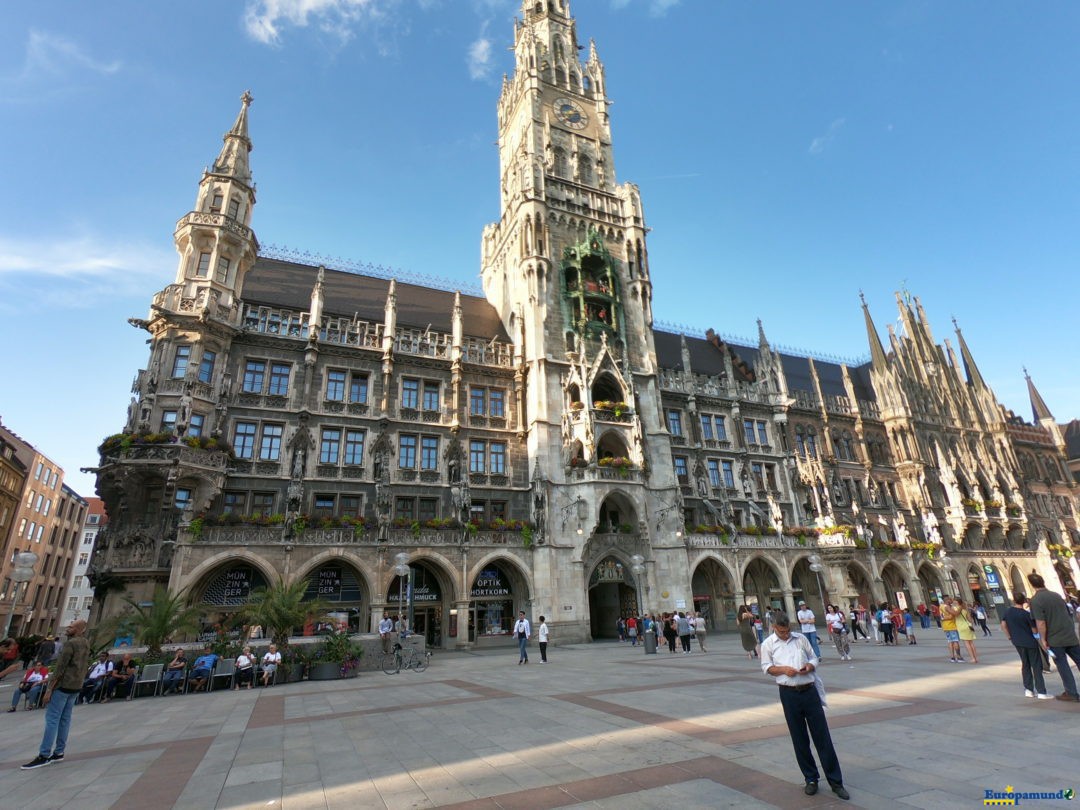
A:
x,y
966,631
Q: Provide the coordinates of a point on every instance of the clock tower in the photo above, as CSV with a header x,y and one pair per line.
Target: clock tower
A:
x,y
567,269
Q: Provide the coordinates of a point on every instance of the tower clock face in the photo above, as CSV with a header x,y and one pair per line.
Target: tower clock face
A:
x,y
570,113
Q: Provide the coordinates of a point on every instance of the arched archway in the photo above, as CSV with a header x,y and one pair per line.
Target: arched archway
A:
x,y
714,594
498,588
605,387
932,583
860,581
1019,584
429,588
995,537
807,586
222,591
976,584
612,594
761,586
895,584
342,587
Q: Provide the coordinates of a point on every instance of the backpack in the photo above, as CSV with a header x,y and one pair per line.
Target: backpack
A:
x,y
878,616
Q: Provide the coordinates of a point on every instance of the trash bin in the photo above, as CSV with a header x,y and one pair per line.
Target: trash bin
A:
x,y
650,642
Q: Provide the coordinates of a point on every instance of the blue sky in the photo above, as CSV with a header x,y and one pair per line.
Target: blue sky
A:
x,y
789,155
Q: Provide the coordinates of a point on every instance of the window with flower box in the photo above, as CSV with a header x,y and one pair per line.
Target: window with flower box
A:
x,y
233,503
262,503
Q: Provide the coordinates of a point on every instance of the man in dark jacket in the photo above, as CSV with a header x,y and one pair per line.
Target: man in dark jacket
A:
x,y
67,681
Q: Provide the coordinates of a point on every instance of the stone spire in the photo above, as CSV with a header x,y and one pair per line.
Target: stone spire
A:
x,y
1038,405
974,378
877,351
232,161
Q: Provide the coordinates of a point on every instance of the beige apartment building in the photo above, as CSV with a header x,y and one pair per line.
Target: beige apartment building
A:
x,y
47,520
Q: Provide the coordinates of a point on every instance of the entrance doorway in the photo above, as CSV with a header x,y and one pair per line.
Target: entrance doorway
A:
x,y
611,594
427,622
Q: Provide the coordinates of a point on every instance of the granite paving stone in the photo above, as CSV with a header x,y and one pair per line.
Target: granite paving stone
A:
x,y
604,726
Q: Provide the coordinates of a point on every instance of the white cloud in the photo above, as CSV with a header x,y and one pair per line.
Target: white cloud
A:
x,y
266,20
479,60
80,271
822,142
57,55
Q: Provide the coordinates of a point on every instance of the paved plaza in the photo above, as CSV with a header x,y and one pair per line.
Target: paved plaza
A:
x,y
600,726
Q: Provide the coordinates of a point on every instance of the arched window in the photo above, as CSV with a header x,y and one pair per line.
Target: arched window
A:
x,y
584,171
811,443
800,441
560,167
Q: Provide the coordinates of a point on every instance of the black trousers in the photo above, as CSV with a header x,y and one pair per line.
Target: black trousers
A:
x,y
1031,669
543,651
805,719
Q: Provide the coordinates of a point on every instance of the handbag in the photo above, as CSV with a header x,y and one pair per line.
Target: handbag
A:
x,y
25,687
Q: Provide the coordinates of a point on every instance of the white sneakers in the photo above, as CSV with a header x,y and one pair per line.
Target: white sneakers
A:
x,y
1028,693
1040,696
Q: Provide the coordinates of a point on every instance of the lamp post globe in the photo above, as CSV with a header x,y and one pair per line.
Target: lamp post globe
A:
x,y
401,568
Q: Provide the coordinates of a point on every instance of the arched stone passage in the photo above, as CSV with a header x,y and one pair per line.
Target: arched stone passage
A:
x,y
222,591
931,580
612,593
498,588
714,594
807,586
342,587
860,581
895,583
426,600
995,537
761,585
1019,584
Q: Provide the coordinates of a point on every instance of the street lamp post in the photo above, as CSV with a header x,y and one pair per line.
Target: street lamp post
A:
x,y
23,572
817,567
637,568
401,568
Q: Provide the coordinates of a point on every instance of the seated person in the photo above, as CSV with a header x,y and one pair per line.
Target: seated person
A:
x,y
31,685
270,663
174,673
9,657
245,669
95,678
201,669
119,682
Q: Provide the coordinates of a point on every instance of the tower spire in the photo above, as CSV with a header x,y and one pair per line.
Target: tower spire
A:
x,y
973,376
877,351
232,161
1038,405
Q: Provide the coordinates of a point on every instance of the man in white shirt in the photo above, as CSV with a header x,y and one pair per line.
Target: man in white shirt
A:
x,y
522,631
808,627
542,636
95,679
386,629
790,659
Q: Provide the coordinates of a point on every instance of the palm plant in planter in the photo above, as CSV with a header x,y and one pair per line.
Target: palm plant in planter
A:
x,y
167,615
337,657
280,608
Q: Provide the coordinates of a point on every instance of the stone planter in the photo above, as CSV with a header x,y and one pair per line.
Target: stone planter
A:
x,y
328,671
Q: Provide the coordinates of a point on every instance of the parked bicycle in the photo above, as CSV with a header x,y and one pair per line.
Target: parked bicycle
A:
x,y
405,658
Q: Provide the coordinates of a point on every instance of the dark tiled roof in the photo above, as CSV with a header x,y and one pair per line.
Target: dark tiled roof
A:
x,y
707,359
277,283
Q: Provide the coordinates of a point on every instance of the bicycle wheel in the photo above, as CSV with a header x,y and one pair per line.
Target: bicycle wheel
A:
x,y
420,661
391,663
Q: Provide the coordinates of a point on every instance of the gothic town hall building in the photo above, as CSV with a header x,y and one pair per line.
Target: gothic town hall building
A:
x,y
543,447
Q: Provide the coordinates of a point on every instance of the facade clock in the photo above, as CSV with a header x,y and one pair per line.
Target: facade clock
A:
x,y
570,113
